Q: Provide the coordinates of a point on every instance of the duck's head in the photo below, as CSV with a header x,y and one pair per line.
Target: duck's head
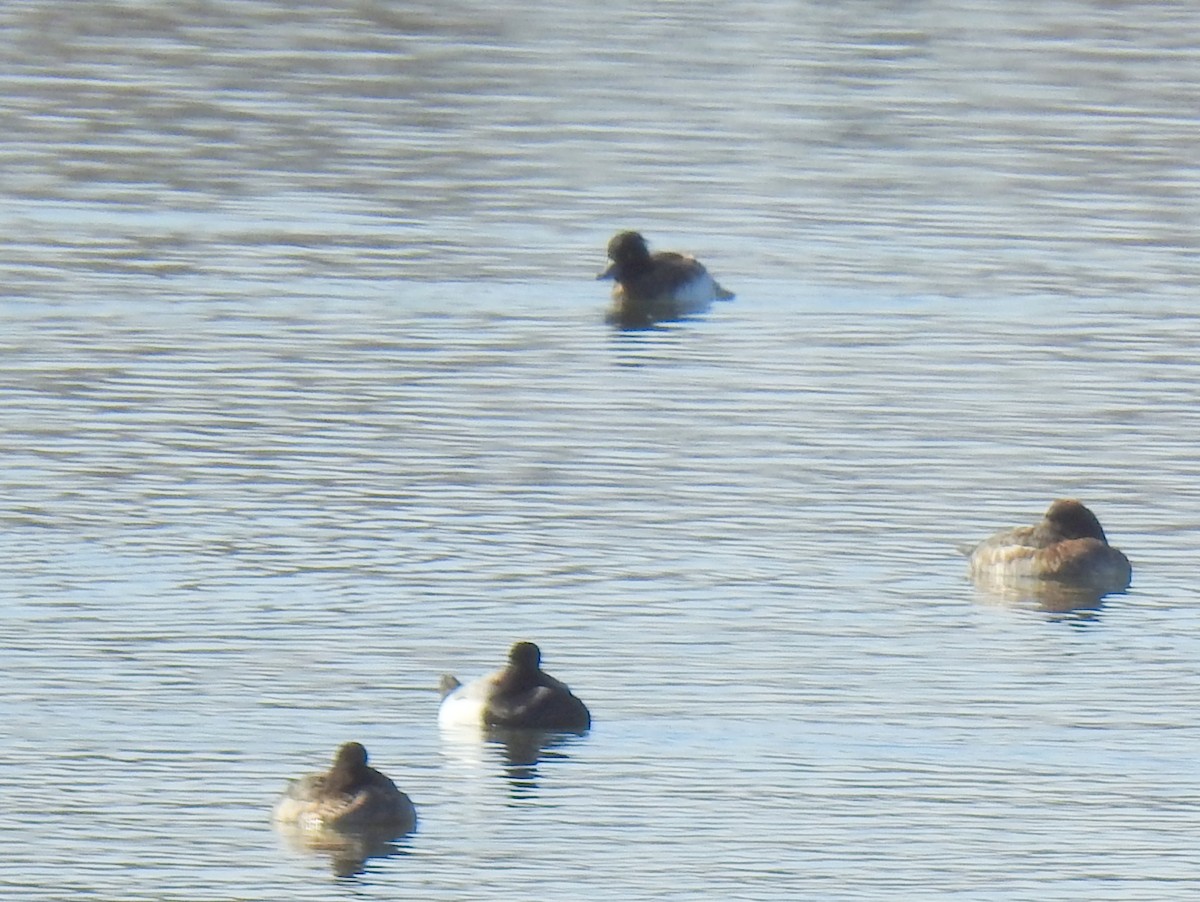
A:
x,y
349,762
1072,520
626,250
525,657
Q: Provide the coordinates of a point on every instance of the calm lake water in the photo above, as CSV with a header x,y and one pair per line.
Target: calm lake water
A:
x,y
307,399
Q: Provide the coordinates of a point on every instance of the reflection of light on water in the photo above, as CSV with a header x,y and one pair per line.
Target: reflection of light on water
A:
x,y
348,851
463,747
468,769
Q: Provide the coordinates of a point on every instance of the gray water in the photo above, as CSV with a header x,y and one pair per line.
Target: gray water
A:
x,y
307,399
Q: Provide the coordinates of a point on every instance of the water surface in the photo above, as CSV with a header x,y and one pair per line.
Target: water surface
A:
x,y
307,399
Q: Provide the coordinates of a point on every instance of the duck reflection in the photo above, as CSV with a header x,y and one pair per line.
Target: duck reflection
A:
x,y
1043,595
348,850
517,754
523,752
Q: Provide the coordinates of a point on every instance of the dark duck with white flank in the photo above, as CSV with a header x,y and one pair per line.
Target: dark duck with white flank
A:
x,y
654,288
518,695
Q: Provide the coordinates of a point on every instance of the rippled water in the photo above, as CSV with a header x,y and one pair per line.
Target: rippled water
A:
x,y
307,399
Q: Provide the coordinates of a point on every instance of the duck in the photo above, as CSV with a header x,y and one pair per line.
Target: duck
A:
x,y
350,796
1068,546
654,288
519,695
